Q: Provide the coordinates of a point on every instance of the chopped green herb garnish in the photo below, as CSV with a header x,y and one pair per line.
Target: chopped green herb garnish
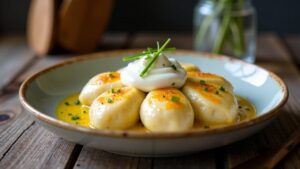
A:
x,y
70,114
222,88
77,102
67,103
206,89
175,99
150,50
202,82
217,92
154,58
173,84
113,90
111,75
140,55
174,67
109,100
75,117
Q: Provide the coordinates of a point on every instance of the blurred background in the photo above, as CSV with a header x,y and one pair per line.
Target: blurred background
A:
x,y
280,16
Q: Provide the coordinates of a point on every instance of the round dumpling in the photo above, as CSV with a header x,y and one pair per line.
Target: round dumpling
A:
x,y
212,103
209,78
166,110
97,85
189,67
117,108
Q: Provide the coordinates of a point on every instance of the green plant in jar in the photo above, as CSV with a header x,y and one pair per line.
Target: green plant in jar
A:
x,y
226,27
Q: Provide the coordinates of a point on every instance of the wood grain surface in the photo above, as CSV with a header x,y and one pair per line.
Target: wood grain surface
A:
x,y
24,144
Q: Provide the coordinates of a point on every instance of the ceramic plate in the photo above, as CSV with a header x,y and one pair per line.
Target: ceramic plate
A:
x,y
41,92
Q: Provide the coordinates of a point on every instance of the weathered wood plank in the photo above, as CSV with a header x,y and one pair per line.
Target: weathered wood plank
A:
x,y
275,134
14,56
198,160
114,40
24,144
92,158
18,121
293,42
38,148
148,39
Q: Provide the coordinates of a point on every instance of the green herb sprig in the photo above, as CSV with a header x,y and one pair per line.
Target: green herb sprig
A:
x,y
140,55
154,58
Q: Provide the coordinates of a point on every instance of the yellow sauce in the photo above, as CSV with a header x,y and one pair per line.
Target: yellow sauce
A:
x,y
71,111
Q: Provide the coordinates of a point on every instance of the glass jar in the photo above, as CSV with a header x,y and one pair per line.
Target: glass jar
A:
x,y
226,27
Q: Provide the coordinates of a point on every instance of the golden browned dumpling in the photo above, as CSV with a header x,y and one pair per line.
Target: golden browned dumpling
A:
x,y
189,67
209,78
97,85
117,108
212,101
166,110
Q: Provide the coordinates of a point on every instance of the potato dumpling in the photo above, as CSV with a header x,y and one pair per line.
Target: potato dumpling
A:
x,y
166,110
189,67
117,108
212,104
209,78
97,85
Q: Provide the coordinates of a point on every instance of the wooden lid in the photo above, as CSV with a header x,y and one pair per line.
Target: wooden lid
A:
x,y
40,26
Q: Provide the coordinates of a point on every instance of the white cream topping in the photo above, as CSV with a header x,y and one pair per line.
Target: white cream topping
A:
x,y
163,73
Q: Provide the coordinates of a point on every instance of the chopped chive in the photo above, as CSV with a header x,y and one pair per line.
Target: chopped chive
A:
x,y
140,55
67,103
206,89
112,90
202,82
77,102
154,58
70,114
217,92
111,75
222,88
75,117
175,99
150,50
109,100
174,67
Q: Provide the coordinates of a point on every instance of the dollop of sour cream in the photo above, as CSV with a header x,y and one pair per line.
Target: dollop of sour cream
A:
x,y
165,72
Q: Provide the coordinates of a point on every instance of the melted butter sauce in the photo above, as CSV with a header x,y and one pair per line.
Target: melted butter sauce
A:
x,y
71,111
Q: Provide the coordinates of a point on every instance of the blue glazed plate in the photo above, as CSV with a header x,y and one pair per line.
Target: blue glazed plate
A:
x,y
40,94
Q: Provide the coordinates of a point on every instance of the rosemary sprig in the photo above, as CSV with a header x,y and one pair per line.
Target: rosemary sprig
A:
x,y
140,55
153,59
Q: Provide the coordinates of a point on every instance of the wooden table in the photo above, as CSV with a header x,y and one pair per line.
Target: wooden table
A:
x,y
25,144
